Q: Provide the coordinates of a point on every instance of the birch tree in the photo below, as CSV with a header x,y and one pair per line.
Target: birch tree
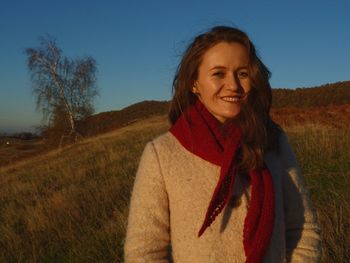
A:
x,y
61,85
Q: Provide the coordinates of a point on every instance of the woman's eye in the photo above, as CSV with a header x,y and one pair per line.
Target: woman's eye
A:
x,y
243,74
219,74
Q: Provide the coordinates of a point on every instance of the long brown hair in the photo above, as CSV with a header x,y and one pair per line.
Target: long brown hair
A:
x,y
259,132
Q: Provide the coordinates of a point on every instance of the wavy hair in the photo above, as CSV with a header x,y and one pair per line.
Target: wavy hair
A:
x,y
259,132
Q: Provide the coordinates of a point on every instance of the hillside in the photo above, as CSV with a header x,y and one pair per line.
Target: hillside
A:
x,y
299,99
328,105
107,121
333,116
71,205
326,95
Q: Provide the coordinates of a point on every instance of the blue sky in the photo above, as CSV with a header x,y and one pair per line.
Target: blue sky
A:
x,y
137,44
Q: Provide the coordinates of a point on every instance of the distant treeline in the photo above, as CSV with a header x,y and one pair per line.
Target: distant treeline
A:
x,y
329,94
19,136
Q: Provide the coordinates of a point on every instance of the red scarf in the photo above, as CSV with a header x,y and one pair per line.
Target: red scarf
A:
x,y
201,135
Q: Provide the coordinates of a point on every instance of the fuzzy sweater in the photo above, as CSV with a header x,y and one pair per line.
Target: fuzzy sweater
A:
x,y
171,193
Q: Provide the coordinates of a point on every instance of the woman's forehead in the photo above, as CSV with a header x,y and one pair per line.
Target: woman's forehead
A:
x,y
225,54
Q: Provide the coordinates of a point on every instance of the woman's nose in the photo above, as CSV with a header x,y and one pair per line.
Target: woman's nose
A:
x,y
232,83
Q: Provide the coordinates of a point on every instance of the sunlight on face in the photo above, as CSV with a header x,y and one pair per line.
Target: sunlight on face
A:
x,y
223,80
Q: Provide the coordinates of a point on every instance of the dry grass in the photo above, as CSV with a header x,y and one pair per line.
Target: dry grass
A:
x,y
324,155
17,149
71,205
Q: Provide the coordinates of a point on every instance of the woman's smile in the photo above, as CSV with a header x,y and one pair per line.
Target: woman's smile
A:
x,y
231,98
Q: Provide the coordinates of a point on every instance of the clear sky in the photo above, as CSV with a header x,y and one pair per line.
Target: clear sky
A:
x,y
137,44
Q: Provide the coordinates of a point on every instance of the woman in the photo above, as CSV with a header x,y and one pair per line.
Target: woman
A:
x,y
223,184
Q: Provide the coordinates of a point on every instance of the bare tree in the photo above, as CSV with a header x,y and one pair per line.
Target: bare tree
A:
x,y
62,85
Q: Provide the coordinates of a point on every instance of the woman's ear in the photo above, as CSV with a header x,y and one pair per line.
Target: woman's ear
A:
x,y
195,88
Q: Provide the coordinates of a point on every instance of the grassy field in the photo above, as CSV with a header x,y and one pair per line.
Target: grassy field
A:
x,y
323,155
71,205
12,150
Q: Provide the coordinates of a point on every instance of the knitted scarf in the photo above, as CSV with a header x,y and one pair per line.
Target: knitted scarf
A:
x,y
200,133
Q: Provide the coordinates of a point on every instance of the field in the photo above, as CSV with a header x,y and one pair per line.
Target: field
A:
x,y
13,150
71,205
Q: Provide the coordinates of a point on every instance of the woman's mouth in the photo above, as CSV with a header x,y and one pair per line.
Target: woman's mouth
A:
x,y
231,98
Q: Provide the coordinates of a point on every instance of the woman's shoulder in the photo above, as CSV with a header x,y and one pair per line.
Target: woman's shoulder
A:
x,y
164,140
165,144
166,150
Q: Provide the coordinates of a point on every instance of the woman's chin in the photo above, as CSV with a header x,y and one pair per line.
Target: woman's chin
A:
x,y
224,117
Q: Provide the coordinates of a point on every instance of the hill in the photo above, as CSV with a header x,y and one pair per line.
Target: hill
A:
x,y
107,121
71,205
328,105
335,116
326,95
301,98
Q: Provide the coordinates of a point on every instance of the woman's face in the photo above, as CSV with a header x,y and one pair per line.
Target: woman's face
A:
x,y
223,81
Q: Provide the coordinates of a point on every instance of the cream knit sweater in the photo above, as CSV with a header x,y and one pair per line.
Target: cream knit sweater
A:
x,y
171,194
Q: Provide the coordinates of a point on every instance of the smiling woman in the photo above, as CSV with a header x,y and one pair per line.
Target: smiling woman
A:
x,y
223,80
223,184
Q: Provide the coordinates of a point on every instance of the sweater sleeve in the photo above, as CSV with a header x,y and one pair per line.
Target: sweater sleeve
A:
x,y
147,235
303,241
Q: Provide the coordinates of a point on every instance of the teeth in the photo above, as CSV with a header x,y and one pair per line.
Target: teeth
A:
x,y
231,98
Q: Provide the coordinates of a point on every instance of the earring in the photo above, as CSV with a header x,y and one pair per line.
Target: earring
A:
x,y
195,89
